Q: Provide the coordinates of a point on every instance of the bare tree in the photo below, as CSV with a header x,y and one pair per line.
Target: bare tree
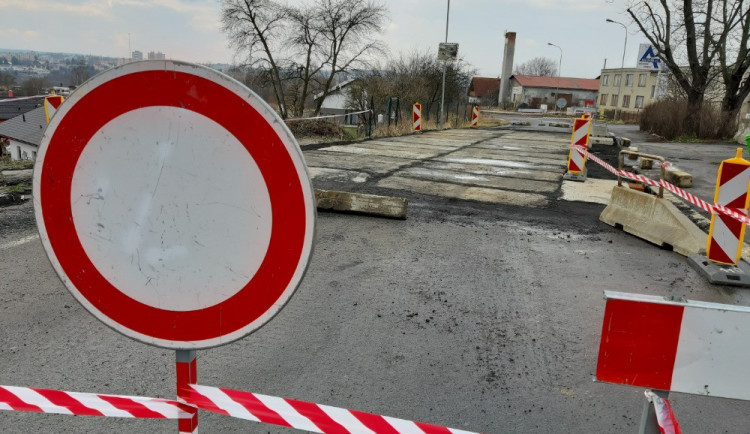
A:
x,y
255,29
302,50
700,41
538,66
347,27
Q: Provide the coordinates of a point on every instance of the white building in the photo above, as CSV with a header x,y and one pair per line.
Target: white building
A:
x,y
24,134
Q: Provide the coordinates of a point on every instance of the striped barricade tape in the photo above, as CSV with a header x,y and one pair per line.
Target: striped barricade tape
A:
x,y
301,415
91,404
677,191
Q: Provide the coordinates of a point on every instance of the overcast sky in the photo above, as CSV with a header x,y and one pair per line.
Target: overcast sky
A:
x,y
190,29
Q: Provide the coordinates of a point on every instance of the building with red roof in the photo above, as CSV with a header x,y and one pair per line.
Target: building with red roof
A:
x,y
484,91
533,92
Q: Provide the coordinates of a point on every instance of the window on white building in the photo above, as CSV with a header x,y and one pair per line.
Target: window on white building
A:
x,y
639,102
629,80
603,100
642,80
614,99
605,80
618,79
626,100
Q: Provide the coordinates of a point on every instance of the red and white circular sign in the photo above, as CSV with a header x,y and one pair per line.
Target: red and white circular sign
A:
x,y
174,204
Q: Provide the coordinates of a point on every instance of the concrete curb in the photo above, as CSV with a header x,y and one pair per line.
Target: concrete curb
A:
x,y
358,203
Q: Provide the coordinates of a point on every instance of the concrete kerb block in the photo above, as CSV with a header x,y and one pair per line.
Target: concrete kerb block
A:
x,y
678,177
652,219
358,203
720,274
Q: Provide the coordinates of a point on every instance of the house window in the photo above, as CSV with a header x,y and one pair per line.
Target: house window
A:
x,y
605,80
18,152
618,79
639,102
653,91
614,99
629,80
603,100
626,100
641,80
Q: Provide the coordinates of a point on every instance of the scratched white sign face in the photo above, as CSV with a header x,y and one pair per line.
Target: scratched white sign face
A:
x,y
186,227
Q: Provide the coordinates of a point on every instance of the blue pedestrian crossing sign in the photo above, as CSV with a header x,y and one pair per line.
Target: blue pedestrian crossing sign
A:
x,y
647,58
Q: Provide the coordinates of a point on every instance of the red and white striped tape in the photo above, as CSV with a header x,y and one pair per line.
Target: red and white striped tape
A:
x,y
91,404
664,416
301,415
677,191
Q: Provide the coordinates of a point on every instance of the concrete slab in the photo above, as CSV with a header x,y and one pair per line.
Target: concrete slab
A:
x,y
719,274
558,161
369,204
678,177
371,164
463,192
592,191
652,219
480,169
397,153
576,177
458,177
503,163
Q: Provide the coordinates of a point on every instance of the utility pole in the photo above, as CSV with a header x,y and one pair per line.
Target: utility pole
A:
x,y
445,64
559,70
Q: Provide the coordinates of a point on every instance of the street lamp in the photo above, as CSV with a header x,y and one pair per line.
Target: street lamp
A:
x,y
559,70
622,66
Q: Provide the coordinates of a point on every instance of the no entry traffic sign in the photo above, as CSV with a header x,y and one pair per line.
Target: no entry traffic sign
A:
x,y
174,204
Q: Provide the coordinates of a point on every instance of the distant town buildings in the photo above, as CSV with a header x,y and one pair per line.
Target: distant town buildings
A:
x,y
156,56
137,55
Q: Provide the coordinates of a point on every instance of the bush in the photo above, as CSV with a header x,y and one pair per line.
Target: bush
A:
x,y
316,128
667,118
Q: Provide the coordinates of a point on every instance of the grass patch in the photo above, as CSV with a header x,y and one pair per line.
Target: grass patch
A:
x,y
18,188
7,164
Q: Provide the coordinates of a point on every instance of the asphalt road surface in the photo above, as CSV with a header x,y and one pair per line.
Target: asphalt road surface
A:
x,y
482,311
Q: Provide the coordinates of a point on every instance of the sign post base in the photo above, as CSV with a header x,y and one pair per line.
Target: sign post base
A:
x,y
187,373
720,274
580,176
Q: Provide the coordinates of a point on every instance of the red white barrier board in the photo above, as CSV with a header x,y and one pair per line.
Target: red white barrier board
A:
x,y
475,116
416,117
51,104
579,137
726,234
689,347
174,204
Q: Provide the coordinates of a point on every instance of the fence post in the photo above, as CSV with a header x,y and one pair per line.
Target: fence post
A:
x,y
398,109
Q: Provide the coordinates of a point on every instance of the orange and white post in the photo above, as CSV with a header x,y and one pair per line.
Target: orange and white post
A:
x,y
579,137
726,234
416,117
475,116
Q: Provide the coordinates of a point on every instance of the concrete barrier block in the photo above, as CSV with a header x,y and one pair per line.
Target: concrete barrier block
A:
x,y
679,178
625,142
647,163
655,220
369,204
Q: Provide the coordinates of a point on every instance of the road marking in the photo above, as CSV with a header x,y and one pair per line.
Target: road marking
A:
x,y
20,242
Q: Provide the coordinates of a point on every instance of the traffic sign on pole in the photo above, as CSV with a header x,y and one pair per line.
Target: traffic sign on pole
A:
x,y
174,204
